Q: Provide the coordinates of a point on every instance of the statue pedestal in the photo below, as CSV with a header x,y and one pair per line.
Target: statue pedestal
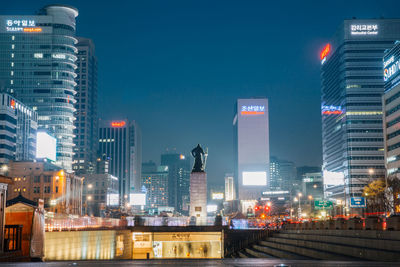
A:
x,y
198,195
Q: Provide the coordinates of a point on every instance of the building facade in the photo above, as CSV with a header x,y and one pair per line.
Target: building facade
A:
x,y
18,126
86,124
352,86
155,180
100,191
178,181
60,190
230,192
120,145
282,174
38,68
251,144
391,110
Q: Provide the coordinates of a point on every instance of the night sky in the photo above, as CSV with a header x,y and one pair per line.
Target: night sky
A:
x,y
177,67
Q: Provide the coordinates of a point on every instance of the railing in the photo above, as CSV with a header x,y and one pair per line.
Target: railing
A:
x,y
82,223
173,221
12,237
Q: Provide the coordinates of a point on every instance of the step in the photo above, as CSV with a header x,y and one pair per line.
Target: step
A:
x,y
255,253
278,252
380,244
345,250
373,234
313,253
243,255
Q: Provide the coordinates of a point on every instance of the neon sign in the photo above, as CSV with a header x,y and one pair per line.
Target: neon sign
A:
x,y
118,124
252,110
331,110
325,51
12,103
391,68
364,29
22,25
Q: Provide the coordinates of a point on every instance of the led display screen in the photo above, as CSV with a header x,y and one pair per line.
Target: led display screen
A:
x,y
137,199
112,199
212,208
254,178
217,196
45,146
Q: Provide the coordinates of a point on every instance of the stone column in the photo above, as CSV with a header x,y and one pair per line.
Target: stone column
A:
x,y
198,195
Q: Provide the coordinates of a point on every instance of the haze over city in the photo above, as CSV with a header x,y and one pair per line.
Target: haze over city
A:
x,y
174,65
251,133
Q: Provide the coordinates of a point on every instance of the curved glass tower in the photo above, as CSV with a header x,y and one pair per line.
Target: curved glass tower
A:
x,y
38,67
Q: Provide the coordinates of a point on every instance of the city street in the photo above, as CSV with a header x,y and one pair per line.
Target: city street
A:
x,y
224,262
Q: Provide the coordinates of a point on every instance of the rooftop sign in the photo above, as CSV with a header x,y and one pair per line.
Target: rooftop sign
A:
x,y
252,110
364,29
116,124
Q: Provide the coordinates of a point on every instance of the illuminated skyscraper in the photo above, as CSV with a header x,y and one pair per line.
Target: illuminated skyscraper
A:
x,y
352,87
178,180
18,126
120,144
251,130
155,180
37,59
86,131
391,109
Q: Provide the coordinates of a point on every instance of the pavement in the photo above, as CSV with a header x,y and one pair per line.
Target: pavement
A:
x,y
201,262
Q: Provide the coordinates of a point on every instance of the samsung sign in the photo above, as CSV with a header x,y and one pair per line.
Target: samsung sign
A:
x,y
390,67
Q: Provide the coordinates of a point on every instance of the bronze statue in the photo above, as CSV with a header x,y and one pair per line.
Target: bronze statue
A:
x,y
199,159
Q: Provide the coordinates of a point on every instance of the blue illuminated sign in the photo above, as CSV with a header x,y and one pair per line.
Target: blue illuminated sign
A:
x,y
358,202
329,110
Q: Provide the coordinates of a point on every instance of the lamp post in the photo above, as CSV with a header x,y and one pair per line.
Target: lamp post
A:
x,y
300,195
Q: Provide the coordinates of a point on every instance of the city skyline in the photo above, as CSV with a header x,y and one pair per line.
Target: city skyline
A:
x,y
249,53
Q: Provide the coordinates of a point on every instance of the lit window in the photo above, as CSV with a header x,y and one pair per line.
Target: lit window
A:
x,y
11,81
12,55
12,64
13,37
12,46
38,55
12,73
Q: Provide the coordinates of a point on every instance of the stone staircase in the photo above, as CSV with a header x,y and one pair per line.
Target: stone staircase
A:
x,y
346,245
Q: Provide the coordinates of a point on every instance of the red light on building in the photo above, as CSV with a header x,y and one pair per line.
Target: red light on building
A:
x,y
332,112
12,103
325,51
118,124
252,112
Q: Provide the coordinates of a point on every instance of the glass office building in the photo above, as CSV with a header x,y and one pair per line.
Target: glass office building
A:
x,y
391,109
251,144
37,65
86,131
352,86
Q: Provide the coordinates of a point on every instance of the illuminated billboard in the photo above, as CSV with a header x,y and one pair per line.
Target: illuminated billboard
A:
x,y
331,110
137,199
217,195
212,208
45,146
254,178
333,178
112,199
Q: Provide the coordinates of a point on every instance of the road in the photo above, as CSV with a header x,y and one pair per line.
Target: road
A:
x,y
200,262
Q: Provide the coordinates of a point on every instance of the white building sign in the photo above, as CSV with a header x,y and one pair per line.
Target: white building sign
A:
x,y
364,29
